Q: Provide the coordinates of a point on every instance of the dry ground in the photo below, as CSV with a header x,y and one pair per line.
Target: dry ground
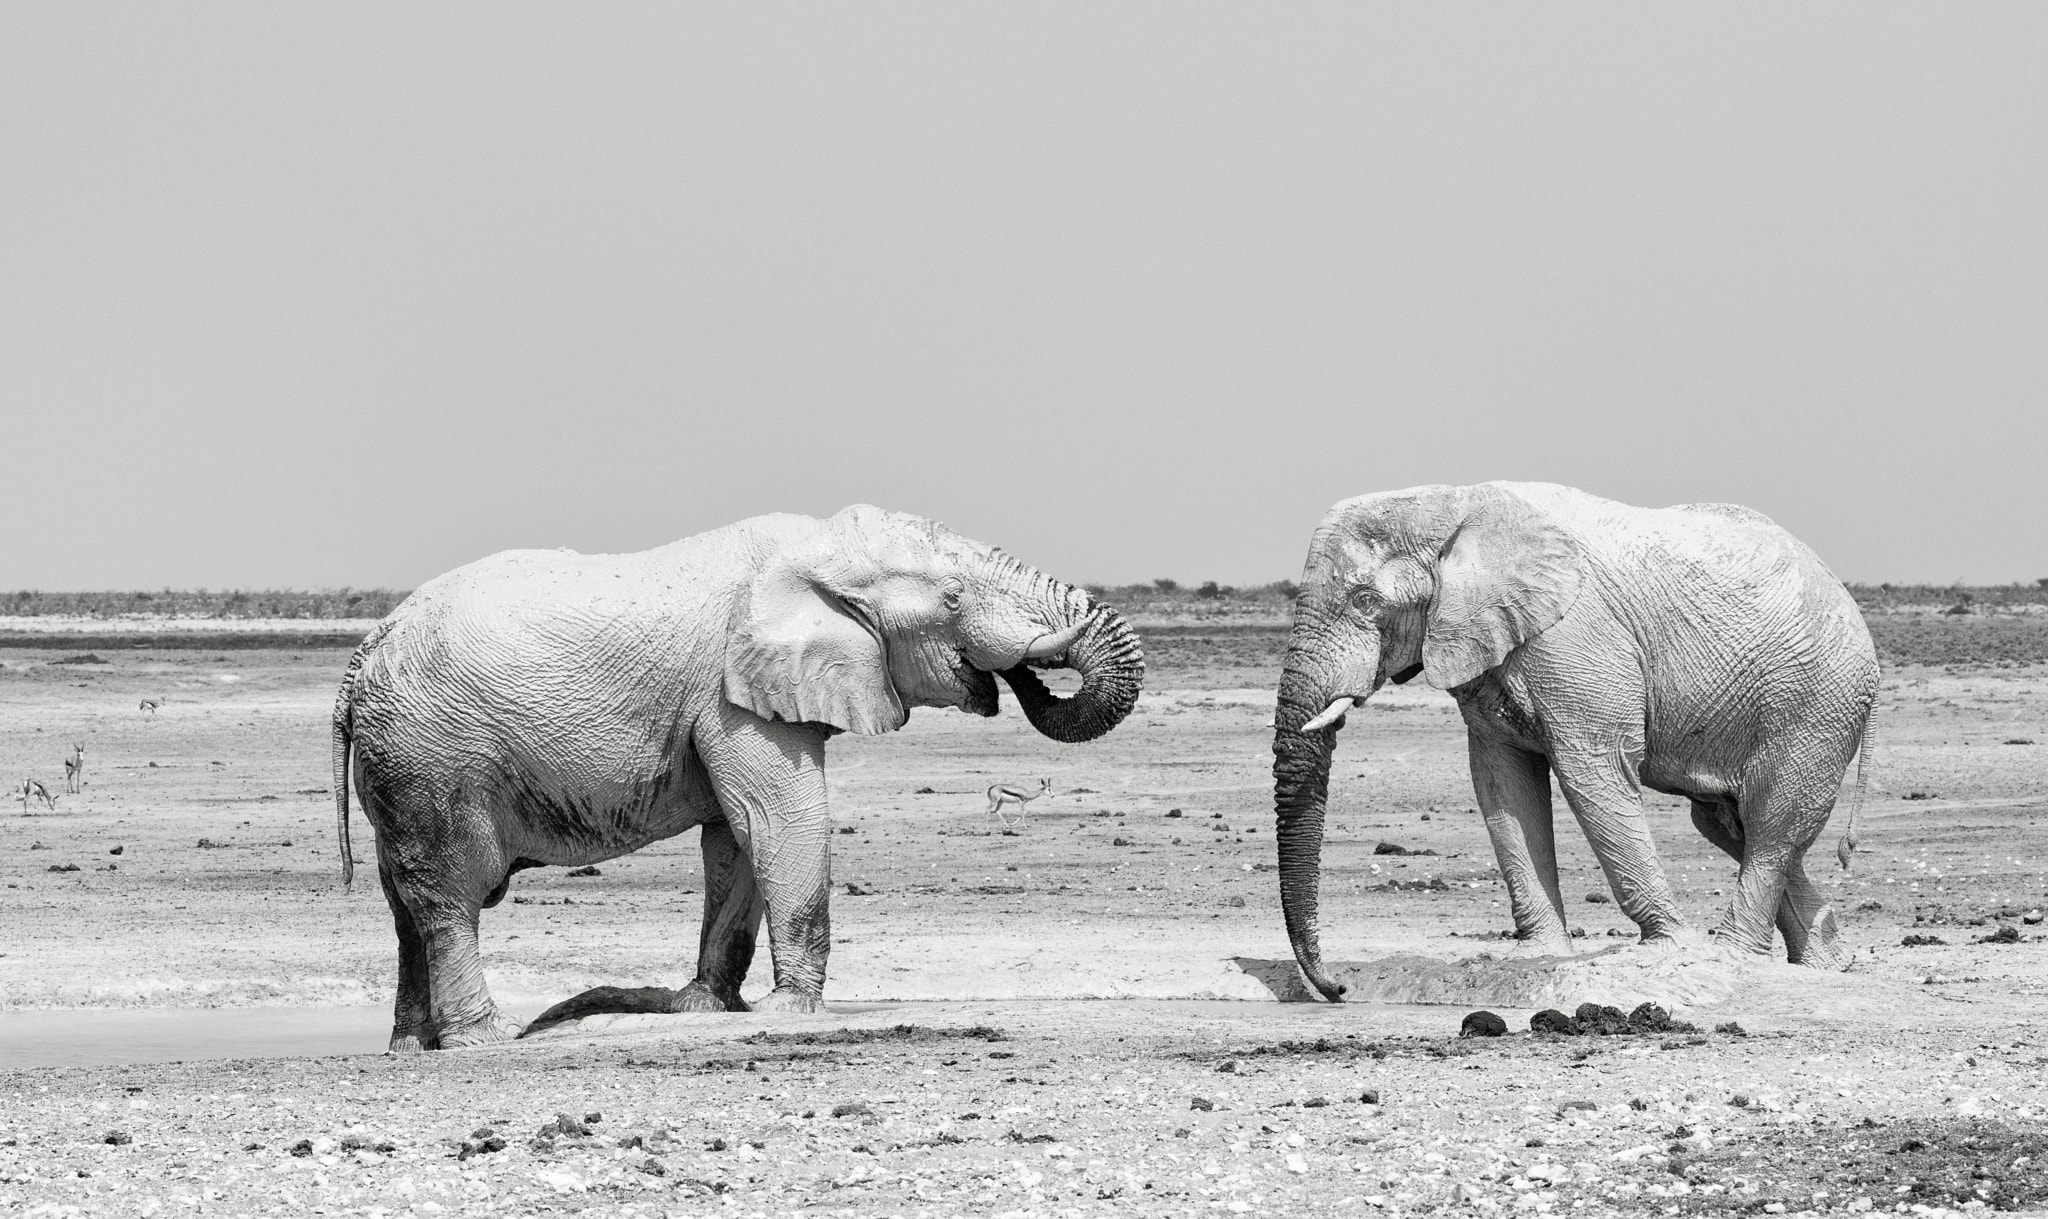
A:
x,y
1098,1106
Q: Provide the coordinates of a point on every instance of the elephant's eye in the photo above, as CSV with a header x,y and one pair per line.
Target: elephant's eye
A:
x,y
951,596
1365,598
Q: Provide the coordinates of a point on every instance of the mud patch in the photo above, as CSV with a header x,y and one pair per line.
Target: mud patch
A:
x,y
1928,1162
913,1034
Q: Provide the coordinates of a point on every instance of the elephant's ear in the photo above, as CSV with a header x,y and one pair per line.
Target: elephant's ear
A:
x,y
801,652
1506,575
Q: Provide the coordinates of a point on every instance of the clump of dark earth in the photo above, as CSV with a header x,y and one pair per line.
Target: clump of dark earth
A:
x,y
854,890
1731,1028
1202,1103
564,1124
363,1142
1118,842
1584,1106
1922,941
1434,884
925,791
63,867
1228,1066
1482,1024
483,1141
846,829
83,658
1395,848
1919,796
117,1138
1173,812
1371,1096
913,1033
1598,898
208,844
302,1148
1592,1019
2008,934
114,851
586,870
851,1109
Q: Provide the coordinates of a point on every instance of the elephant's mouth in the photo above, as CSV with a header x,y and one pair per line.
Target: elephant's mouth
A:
x,y
979,695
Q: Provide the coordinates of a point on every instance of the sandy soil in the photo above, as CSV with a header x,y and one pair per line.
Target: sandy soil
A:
x,y
1100,1107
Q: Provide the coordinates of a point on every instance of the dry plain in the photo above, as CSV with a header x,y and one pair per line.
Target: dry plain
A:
x,y
1079,1017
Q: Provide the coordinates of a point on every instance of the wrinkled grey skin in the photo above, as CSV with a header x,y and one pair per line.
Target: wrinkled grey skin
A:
x,y
1700,651
547,707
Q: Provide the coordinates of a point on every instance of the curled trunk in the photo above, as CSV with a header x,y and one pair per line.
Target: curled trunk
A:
x,y
1112,669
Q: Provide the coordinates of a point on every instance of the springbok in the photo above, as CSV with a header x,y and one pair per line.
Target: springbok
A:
x,y
32,789
148,706
74,768
1000,794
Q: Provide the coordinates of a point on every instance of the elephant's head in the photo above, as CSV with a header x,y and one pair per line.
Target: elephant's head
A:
x,y
857,619
1441,581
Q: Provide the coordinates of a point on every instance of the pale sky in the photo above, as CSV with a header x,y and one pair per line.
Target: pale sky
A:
x,y
314,295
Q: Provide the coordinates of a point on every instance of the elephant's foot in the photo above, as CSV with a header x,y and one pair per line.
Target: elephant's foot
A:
x,y
487,1030
1823,948
1549,945
697,997
781,1000
409,1041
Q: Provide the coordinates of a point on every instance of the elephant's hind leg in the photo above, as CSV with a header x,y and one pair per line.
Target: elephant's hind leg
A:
x,y
412,1029
733,910
441,881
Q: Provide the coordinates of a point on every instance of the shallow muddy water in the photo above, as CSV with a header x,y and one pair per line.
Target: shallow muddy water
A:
x,y
77,1038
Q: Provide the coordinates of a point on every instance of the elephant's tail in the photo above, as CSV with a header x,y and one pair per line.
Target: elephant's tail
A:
x,y
344,736
1852,837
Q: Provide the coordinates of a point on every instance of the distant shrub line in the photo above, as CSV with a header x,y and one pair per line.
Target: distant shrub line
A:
x,y
202,603
1158,594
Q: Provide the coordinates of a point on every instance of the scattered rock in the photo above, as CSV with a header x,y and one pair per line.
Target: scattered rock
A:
x,y
1922,941
1482,1024
63,867
1173,812
117,1138
586,870
1919,796
851,1109
1118,842
846,829
37,846
208,844
303,1148
855,890
2019,740
1228,1066
2006,934
2031,917
1598,899
1371,1096
1869,906
1316,1102
1202,1103
1395,848
114,851
1731,1028
1236,902
925,791
1582,1106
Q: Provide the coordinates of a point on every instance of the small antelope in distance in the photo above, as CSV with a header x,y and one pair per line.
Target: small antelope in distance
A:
x,y
149,705
74,768
33,789
1000,794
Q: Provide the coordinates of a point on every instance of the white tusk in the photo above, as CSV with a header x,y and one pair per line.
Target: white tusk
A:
x,y
1338,706
1046,647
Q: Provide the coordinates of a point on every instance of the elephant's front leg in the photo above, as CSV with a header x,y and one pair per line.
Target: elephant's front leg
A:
x,y
732,923
770,781
1607,799
1513,786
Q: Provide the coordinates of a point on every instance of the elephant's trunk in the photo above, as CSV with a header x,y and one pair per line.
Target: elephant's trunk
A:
x,y
1112,669
1301,787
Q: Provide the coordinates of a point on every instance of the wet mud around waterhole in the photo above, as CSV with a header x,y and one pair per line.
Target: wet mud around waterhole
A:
x,y
1185,1085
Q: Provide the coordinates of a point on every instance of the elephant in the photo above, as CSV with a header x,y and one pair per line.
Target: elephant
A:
x,y
1699,650
554,708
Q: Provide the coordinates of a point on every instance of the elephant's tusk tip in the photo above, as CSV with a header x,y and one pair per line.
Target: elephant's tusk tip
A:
x,y
1332,713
